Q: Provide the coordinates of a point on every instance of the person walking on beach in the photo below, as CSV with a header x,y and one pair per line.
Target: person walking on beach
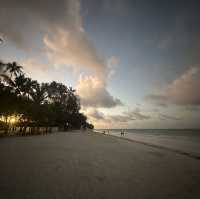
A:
x,y
122,133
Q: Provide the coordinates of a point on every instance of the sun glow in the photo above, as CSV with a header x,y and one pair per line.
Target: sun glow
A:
x,y
13,119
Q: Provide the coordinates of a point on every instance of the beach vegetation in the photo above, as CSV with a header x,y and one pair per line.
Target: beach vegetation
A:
x,y
28,104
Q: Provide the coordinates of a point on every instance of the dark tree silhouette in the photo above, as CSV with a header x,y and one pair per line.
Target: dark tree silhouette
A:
x,y
13,68
37,105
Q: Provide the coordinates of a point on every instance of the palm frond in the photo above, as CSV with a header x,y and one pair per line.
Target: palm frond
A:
x,y
7,80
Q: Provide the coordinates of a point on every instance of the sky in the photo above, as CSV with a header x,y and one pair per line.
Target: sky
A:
x,y
133,63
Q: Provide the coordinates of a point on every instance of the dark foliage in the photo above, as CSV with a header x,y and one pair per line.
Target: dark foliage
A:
x,y
46,104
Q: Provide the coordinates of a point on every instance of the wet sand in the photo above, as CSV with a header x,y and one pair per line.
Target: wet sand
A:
x,y
89,165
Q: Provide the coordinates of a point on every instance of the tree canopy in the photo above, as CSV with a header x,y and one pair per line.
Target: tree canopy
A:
x,y
37,104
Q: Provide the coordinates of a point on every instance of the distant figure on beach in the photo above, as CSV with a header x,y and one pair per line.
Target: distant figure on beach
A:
x,y
122,133
104,132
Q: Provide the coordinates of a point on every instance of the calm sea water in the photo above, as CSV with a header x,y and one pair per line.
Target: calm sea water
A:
x,y
171,132
181,140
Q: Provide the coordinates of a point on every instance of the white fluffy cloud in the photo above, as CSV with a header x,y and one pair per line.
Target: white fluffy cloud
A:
x,y
182,91
185,89
93,93
73,48
56,27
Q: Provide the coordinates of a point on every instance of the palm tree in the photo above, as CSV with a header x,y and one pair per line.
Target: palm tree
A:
x,y
20,82
27,86
13,68
2,68
71,90
38,93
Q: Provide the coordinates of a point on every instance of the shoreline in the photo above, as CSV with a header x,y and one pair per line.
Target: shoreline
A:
x,y
188,154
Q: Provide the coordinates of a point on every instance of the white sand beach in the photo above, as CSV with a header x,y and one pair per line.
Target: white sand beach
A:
x,y
90,165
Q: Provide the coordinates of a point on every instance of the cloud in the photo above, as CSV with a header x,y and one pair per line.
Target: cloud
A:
x,y
57,27
22,20
182,91
95,114
158,99
167,117
73,48
36,70
119,118
185,89
1,40
31,64
137,115
112,63
193,108
93,93
99,117
125,117
56,30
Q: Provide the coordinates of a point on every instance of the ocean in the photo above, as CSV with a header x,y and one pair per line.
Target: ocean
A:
x,y
182,141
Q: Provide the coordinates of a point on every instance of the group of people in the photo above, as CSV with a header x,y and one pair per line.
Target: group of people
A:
x,y
122,132
104,132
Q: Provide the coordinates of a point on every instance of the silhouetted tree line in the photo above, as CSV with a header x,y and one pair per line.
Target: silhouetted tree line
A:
x,y
36,105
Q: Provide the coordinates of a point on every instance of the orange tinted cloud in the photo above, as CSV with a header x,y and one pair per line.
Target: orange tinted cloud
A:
x,y
182,91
